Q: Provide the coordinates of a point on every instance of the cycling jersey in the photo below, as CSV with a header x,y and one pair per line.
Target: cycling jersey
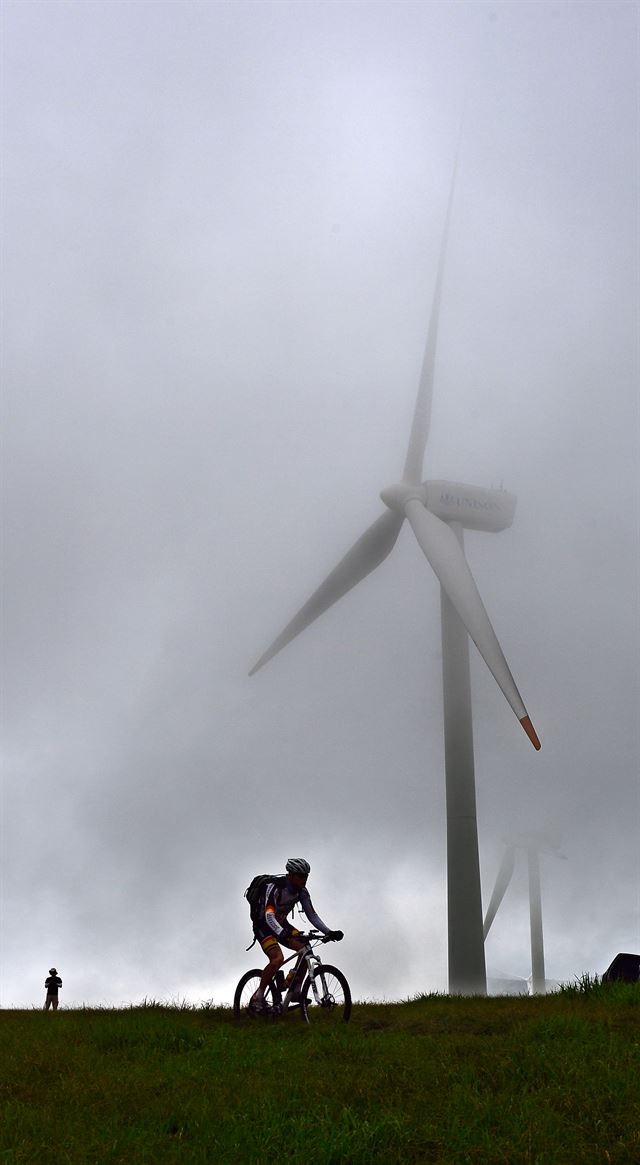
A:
x,y
279,901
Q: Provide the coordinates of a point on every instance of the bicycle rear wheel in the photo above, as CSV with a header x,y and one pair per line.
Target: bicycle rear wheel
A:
x,y
246,988
334,995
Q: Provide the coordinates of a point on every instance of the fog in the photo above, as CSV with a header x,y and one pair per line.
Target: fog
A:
x,y
222,223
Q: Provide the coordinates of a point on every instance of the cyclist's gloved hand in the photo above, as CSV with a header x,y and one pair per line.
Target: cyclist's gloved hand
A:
x,y
336,935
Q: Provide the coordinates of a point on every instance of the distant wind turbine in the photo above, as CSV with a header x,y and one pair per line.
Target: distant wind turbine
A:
x,y
533,845
438,512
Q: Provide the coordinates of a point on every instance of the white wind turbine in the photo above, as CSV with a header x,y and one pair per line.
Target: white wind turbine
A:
x,y
438,512
533,844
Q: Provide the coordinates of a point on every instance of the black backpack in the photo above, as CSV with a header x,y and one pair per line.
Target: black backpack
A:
x,y
255,890
254,893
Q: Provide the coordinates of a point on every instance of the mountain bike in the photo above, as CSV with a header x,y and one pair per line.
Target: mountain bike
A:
x,y
324,996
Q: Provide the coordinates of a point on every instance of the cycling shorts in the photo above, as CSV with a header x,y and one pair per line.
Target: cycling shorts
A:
x,y
268,940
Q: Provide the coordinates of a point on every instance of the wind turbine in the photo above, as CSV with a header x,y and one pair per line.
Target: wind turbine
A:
x,y
438,512
533,844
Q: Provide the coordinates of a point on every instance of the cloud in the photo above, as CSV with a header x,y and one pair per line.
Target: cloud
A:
x,y
222,230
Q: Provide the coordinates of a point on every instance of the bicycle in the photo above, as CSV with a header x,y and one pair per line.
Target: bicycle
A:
x,y
325,995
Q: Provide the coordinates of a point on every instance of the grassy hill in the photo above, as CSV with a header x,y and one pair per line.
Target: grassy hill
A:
x,y
437,1079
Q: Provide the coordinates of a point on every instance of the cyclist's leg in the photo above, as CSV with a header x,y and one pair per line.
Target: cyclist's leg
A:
x,y
272,949
275,956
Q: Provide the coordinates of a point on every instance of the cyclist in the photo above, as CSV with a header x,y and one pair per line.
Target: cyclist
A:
x,y
272,929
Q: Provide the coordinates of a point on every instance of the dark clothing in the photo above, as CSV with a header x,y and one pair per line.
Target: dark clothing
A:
x,y
279,901
52,983
267,938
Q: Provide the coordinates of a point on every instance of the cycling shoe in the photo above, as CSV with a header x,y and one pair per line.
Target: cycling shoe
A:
x,y
259,1007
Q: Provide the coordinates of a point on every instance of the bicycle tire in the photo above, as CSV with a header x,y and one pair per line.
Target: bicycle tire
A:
x,y
245,989
339,1010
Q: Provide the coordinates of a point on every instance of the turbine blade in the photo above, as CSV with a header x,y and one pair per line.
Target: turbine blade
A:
x,y
446,556
367,553
413,466
499,890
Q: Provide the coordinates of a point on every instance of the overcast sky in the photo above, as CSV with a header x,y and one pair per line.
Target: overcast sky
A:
x,y
222,223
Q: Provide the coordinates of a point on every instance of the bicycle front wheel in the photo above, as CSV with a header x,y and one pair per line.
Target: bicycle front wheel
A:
x,y
246,988
333,1004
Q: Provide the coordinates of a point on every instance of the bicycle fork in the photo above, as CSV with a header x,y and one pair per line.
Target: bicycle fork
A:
x,y
316,976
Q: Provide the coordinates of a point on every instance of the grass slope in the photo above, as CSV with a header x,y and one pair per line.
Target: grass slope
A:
x,y
438,1079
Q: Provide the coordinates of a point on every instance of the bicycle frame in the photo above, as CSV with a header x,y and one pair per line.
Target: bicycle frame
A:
x,y
314,966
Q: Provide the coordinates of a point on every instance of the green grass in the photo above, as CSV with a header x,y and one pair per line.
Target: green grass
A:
x,y
437,1079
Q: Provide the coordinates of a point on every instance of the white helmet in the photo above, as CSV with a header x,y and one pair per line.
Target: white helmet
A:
x,y
298,866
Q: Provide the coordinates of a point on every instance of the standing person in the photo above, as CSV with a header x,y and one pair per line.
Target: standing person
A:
x,y
271,929
52,983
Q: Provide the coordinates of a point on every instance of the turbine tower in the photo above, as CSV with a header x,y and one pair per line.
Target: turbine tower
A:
x,y
438,513
533,845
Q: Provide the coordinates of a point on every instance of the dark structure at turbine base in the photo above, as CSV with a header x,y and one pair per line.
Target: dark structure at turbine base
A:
x,y
624,968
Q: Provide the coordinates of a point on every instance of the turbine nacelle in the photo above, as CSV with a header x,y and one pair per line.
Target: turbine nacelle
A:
x,y
472,506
